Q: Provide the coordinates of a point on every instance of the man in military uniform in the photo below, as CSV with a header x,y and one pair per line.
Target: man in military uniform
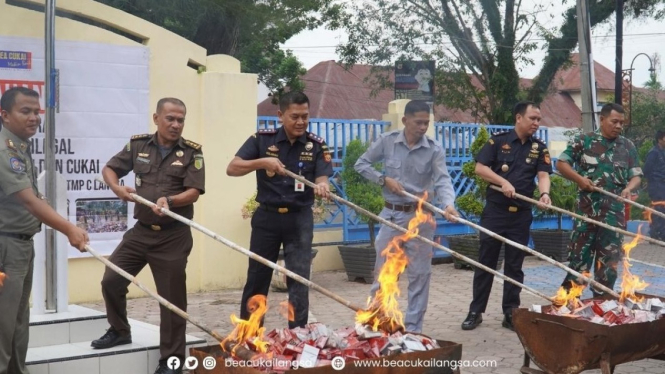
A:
x,y
169,171
284,216
23,211
607,160
416,164
654,172
510,160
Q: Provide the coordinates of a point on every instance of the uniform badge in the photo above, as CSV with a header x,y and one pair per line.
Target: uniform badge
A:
x,y
528,160
309,146
10,145
138,181
327,157
198,161
17,165
178,163
128,147
180,153
504,168
143,160
23,147
144,154
272,148
506,147
547,159
270,173
491,141
534,145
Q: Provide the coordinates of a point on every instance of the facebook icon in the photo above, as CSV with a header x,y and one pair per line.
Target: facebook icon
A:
x,y
173,362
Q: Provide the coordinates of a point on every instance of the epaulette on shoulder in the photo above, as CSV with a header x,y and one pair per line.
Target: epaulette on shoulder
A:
x,y
539,140
501,133
316,138
142,136
191,144
267,131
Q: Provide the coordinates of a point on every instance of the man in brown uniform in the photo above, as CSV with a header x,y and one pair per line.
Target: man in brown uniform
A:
x,y
169,171
22,211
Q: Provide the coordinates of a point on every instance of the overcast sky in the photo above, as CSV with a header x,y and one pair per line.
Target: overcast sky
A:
x,y
315,46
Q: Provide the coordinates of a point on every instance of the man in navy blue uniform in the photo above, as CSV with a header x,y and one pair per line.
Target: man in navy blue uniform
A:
x,y
655,175
284,216
511,160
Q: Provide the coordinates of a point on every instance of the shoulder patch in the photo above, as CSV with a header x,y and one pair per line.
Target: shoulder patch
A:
x,y
191,144
267,131
142,136
542,142
316,138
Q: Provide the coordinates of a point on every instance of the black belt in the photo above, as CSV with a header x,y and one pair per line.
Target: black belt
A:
x,y
402,208
25,237
166,226
281,209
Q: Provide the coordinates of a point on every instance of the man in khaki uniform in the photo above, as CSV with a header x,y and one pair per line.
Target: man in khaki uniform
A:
x,y
169,171
22,213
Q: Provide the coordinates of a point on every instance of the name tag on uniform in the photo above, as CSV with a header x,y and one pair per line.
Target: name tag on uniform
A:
x,y
299,186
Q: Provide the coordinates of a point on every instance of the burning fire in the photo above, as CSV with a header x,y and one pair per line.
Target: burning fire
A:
x,y
286,310
251,329
383,311
631,283
570,297
2,278
653,204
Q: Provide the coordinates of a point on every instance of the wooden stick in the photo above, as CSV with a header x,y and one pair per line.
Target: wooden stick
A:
x,y
624,200
165,303
246,252
586,219
423,239
496,236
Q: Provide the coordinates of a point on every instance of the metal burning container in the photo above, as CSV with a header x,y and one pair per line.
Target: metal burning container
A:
x,y
564,345
443,360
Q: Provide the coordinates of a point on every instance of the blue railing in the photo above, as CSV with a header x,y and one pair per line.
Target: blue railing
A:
x,y
338,134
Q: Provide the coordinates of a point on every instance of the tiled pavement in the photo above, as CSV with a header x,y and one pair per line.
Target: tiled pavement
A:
x,y
450,295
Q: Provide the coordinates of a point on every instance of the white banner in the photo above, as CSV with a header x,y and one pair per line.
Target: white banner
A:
x,y
103,101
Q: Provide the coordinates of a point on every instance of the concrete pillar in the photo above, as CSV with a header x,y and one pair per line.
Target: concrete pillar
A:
x,y
228,119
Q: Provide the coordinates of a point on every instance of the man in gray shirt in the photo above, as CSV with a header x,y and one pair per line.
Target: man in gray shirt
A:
x,y
416,164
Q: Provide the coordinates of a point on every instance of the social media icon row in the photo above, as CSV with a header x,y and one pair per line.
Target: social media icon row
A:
x,y
191,363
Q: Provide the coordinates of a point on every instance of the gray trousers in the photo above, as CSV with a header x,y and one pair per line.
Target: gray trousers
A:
x,y
17,262
418,271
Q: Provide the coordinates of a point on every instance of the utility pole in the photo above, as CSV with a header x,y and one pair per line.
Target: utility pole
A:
x,y
49,152
587,80
618,70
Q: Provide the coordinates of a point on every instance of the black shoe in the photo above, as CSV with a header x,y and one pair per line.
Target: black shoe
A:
x,y
111,339
508,321
472,321
163,368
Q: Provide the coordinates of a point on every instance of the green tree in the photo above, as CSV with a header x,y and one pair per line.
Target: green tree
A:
x,y
478,45
250,30
647,116
357,188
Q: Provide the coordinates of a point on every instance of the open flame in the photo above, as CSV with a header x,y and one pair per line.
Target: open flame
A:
x,y
286,310
648,214
2,278
631,283
250,330
569,298
383,311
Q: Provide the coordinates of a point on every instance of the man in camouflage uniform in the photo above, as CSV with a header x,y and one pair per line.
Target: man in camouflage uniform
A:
x,y
607,160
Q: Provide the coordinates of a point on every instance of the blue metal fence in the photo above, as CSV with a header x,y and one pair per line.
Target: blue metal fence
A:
x,y
455,138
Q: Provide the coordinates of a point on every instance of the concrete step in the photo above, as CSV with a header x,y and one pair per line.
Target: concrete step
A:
x,y
78,324
77,357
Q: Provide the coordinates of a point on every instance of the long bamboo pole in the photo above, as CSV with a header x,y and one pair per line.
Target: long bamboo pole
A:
x,y
585,219
428,241
627,201
246,252
596,284
251,255
168,305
